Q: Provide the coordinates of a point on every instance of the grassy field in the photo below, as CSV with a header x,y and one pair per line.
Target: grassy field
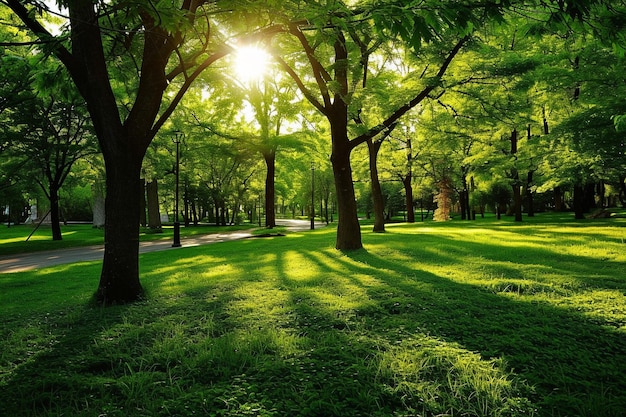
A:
x,y
485,318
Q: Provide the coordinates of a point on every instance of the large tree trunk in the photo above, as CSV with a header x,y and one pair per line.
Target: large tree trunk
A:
x,y
119,280
55,217
622,190
270,189
348,228
559,203
444,200
377,193
579,202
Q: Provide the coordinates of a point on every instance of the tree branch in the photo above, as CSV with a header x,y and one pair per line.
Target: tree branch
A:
x,y
319,72
402,110
190,78
307,93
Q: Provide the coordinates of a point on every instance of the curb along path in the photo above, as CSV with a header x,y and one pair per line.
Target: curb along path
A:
x,y
37,260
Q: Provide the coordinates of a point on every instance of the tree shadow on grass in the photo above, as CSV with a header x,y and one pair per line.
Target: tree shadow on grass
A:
x,y
576,366
280,330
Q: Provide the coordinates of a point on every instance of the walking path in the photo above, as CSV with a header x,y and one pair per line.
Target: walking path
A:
x,y
36,260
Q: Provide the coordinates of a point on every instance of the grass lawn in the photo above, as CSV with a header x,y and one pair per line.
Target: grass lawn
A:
x,y
484,318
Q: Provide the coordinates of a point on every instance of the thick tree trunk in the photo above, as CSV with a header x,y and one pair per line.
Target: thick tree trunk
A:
x,y
348,228
589,196
270,189
55,218
622,191
119,280
463,206
579,202
444,200
408,194
559,204
377,193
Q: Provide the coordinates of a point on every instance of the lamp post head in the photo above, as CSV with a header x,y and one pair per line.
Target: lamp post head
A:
x,y
178,136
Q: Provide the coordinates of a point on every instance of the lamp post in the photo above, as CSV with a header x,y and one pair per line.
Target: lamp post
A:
x,y
178,136
260,210
312,195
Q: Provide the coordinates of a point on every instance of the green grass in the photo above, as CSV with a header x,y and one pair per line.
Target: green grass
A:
x,y
485,318
13,239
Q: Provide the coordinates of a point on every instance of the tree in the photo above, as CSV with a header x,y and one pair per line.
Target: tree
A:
x,y
274,106
165,43
54,133
340,35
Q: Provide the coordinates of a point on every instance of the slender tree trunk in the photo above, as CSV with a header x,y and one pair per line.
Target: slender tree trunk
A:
x,y
377,193
408,197
119,280
464,196
194,211
517,192
326,210
530,198
55,217
186,201
601,192
223,214
270,188
517,200
407,182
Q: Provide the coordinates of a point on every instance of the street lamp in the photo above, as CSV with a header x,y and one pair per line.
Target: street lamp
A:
x,y
312,195
260,207
178,136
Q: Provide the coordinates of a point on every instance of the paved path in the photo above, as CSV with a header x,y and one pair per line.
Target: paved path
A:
x,y
36,260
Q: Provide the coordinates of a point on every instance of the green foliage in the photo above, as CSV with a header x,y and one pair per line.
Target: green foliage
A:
x,y
620,122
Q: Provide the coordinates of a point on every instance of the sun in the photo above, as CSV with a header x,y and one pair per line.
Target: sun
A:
x,y
251,63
